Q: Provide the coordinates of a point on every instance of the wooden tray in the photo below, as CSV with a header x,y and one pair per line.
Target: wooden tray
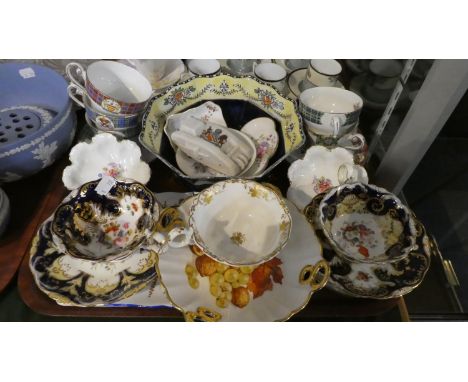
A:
x,y
28,198
323,305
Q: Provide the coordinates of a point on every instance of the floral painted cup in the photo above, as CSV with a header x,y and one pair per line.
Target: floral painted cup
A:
x,y
367,224
98,224
114,86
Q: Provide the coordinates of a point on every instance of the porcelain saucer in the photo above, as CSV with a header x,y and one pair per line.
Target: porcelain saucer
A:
x,y
287,283
367,280
297,82
77,282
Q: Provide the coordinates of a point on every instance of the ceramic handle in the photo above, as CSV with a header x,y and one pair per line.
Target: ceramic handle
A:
x,y
73,91
347,173
254,65
315,275
336,124
171,231
186,76
74,68
352,142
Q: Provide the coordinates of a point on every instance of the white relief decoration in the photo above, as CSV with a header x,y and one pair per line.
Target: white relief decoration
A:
x,y
40,139
45,153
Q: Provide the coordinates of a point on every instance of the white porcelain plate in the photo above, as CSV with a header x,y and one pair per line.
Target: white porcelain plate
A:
x,y
285,293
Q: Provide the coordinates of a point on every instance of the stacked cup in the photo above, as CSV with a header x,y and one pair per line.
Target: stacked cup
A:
x,y
114,95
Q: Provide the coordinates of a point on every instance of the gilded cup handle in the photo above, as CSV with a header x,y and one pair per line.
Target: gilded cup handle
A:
x,y
203,314
315,275
169,218
170,229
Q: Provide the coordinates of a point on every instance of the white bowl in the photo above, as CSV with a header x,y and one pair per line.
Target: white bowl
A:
x,y
240,222
104,155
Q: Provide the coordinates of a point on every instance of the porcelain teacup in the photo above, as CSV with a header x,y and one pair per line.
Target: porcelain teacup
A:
x,y
241,66
330,111
271,73
367,224
240,222
384,75
100,117
323,72
115,87
103,127
204,67
160,73
102,221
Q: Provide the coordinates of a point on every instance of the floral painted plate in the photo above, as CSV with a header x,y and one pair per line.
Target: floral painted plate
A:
x,y
104,155
241,100
378,281
282,286
77,282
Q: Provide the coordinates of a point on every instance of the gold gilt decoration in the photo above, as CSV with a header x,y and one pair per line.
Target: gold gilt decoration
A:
x,y
258,192
207,198
315,275
238,238
203,314
284,226
71,283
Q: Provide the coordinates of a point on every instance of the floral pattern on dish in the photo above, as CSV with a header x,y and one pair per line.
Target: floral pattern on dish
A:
x,y
378,281
277,300
352,205
105,155
71,281
97,227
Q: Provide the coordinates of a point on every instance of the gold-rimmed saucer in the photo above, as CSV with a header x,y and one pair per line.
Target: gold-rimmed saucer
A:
x,y
71,281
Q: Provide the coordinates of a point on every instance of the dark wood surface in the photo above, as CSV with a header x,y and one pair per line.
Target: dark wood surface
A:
x,y
324,304
27,200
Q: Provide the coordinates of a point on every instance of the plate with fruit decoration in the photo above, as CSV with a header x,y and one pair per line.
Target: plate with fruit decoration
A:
x,y
206,290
